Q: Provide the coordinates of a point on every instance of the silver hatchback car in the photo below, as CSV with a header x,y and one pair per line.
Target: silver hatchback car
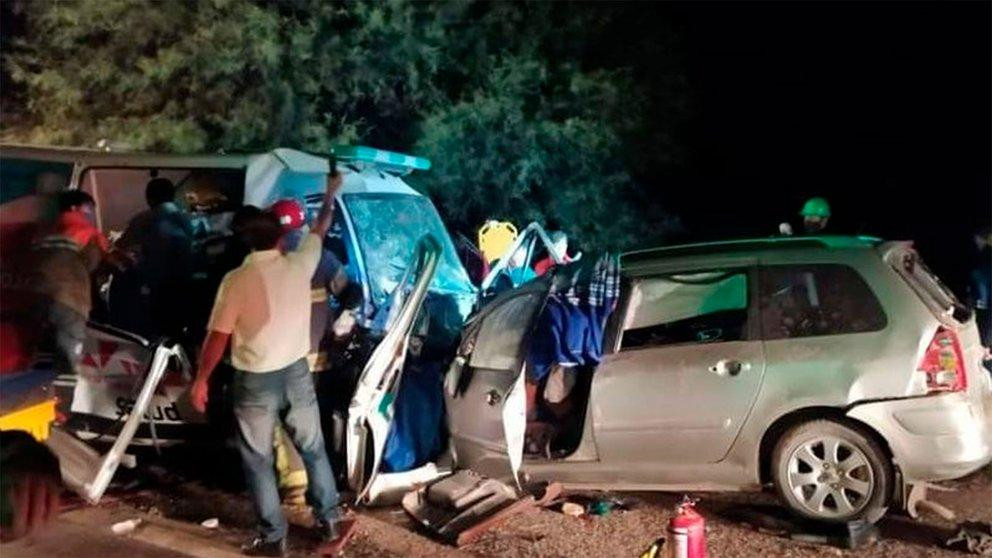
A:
x,y
838,370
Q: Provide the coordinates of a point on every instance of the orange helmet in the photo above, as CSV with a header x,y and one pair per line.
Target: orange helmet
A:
x,y
290,214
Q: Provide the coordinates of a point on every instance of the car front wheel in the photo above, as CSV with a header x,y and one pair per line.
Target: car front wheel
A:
x,y
829,471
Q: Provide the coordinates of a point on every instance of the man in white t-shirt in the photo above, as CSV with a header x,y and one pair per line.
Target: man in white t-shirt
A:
x,y
263,308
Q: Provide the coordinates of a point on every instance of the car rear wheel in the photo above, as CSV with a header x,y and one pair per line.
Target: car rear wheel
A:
x,y
829,471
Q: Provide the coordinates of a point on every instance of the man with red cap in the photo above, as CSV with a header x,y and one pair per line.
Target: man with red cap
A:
x,y
330,278
261,308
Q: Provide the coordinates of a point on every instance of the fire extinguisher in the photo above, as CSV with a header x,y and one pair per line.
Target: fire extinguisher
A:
x,y
687,532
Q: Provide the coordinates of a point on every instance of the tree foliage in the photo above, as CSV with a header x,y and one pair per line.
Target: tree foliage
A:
x,y
529,111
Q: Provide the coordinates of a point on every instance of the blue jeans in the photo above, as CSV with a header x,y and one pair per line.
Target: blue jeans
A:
x,y
261,399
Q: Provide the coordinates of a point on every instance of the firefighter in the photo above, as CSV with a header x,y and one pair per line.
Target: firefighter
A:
x,y
815,214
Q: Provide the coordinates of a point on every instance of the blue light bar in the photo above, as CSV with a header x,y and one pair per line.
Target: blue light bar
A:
x,y
363,154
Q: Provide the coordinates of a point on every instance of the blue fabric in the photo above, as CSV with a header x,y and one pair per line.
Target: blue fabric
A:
x,y
259,400
416,435
570,334
570,328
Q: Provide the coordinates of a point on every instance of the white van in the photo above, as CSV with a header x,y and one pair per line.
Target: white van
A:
x,y
378,223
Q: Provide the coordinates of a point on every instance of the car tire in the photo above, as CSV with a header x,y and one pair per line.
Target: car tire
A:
x,y
833,472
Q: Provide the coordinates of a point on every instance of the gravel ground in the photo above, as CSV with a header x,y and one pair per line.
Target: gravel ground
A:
x,y
548,533
389,532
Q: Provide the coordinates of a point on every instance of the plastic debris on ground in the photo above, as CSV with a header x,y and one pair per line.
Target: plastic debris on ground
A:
x,y
572,509
974,537
578,505
211,523
776,520
125,527
655,550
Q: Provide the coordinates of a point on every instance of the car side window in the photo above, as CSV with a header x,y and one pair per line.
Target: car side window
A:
x,y
687,308
498,345
814,300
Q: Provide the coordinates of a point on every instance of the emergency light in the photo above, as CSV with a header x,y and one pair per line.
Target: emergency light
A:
x,y
396,162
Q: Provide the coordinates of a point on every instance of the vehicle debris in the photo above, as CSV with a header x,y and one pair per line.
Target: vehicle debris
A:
x,y
973,537
572,509
460,507
125,527
775,520
89,473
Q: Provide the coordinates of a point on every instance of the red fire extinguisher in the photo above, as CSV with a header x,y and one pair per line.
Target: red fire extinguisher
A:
x,y
687,532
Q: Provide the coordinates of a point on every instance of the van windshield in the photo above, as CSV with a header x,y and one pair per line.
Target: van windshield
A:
x,y
388,227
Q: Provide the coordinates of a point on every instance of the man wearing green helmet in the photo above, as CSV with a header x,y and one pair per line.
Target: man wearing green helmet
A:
x,y
816,213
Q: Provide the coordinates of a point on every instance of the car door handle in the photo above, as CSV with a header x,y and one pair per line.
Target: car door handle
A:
x,y
493,397
729,367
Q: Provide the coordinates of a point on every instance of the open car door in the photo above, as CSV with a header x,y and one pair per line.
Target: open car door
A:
x,y
371,410
484,388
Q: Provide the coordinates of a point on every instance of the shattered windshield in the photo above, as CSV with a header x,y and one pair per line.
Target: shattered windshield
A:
x,y
388,227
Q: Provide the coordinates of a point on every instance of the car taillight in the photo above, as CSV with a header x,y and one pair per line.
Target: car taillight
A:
x,y
943,363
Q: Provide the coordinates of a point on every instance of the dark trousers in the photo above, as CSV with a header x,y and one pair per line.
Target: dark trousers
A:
x,y
260,400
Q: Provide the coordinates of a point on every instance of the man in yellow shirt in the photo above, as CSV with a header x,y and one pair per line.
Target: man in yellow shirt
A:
x,y
263,308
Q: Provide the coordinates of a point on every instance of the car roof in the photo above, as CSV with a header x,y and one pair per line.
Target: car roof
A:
x,y
122,158
752,245
368,176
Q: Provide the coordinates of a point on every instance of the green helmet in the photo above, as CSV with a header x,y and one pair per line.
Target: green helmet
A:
x,y
816,207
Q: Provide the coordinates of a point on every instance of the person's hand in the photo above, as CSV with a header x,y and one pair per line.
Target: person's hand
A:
x,y
34,502
198,395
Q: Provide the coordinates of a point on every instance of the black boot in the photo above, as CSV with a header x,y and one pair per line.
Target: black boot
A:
x,y
258,547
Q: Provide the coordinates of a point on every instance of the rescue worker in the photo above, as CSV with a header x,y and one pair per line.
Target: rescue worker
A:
x,y
60,281
329,279
263,308
980,286
160,240
816,214
61,264
75,221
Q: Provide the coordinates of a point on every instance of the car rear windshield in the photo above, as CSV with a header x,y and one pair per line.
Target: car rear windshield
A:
x,y
928,286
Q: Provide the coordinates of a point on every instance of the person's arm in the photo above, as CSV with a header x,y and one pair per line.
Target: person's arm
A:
x,y
223,317
323,222
210,355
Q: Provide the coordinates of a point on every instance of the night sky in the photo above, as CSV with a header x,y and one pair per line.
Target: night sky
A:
x,y
882,108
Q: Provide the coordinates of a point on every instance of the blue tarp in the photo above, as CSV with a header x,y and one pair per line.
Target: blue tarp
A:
x,y
417,435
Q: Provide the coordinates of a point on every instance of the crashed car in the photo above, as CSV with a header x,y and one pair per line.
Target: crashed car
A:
x,y
838,371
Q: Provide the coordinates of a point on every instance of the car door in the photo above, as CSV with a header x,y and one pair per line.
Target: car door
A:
x,y
371,410
484,388
685,371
